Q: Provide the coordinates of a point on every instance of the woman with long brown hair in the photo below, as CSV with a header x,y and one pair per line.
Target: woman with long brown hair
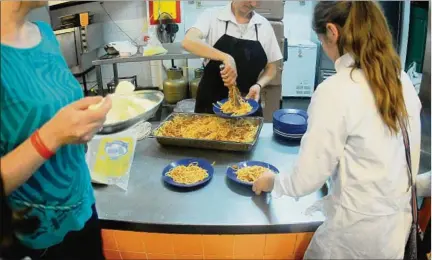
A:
x,y
354,138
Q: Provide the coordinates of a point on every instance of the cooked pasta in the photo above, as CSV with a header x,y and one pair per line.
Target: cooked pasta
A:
x,y
250,173
229,107
209,128
190,174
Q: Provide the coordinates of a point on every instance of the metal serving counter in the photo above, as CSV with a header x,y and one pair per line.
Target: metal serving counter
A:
x,y
220,207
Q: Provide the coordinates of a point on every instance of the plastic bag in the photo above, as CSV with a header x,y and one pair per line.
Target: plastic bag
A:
x,y
110,158
154,46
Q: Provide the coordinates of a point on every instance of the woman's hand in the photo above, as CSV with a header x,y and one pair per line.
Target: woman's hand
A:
x,y
254,93
229,72
75,123
265,183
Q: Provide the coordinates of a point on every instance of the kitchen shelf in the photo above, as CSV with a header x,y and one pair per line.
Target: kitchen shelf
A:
x,y
55,5
175,52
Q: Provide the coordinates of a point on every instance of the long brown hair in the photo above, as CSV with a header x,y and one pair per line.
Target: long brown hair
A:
x,y
365,35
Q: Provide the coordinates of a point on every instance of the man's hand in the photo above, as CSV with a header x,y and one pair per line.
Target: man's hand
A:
x,y
254,93
229,72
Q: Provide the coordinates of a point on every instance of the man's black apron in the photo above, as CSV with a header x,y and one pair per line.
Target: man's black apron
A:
x,y
250,60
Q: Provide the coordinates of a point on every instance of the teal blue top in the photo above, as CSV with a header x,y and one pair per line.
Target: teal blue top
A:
x,y
35,84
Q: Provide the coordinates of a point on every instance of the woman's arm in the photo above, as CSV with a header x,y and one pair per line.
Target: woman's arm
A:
x,y
320,149
15,171
72,124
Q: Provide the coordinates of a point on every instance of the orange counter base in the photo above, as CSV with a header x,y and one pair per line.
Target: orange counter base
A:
x,y
138,245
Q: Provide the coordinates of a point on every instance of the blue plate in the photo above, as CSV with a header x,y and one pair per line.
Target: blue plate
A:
x,y
290,121
290,117
233,176
287,136
201,163
216,108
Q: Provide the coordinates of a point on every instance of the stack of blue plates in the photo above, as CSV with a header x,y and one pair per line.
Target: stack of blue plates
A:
x,y
290,123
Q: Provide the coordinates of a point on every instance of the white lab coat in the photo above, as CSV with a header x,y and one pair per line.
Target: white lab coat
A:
x,y
368,212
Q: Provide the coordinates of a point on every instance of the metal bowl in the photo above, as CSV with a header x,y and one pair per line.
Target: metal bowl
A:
x,y
153,95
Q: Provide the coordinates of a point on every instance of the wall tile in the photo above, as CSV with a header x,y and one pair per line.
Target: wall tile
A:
x,y
303,240
277,257
187,244
280,244
109,242
112,255
158,244
218,257
160,256
218,245
133,256
247,245
189,257
247,257
128,241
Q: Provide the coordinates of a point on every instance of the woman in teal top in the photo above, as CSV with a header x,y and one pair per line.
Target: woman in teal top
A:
x,y
44,123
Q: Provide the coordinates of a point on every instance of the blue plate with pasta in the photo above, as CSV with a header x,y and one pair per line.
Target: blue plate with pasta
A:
x,y
188,173
248,107
247,172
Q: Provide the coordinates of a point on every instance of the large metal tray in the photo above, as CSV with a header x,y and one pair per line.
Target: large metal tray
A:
x,y
153,95
208,144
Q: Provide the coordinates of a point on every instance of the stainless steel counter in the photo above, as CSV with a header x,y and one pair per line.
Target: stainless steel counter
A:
x,y
220,207
175,52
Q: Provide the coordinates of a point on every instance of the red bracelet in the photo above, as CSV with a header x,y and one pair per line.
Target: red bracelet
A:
x,y
40,147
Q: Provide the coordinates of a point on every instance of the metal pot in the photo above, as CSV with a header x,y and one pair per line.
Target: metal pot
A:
x,y
193,84
175,86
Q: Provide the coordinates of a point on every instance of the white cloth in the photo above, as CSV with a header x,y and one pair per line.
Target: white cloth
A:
x,y
423,183
212,24
368,212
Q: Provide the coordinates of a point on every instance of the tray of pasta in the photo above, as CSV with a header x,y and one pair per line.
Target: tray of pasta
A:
x,y
209,131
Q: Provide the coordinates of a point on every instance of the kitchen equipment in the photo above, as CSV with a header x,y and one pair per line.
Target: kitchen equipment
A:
x,y
123,48
272,10
217,110
79,45
299,80
152,95
167,28
75,20
204,164
231,171
193,84
271,100
278,28
175,87
209,144
185,106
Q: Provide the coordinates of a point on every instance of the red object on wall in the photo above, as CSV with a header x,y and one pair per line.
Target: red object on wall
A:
x,y
170,9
